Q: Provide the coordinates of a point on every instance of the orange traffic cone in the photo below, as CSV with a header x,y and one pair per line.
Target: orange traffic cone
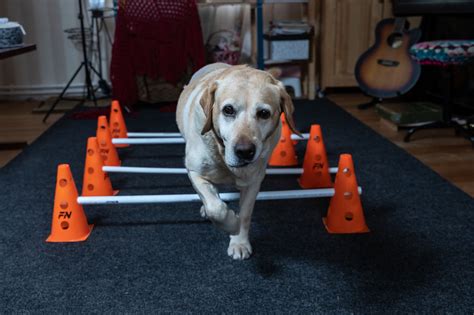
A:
x,y
345,213
107,149
284,153
96,182
69,221
315,164
117,126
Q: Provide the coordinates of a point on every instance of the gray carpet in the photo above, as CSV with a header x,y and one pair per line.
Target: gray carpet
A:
x,y
165,258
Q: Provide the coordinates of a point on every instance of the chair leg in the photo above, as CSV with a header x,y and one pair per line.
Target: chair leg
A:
x,y
446,121
467,130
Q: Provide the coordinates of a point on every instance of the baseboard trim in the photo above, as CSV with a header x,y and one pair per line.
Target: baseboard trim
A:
x,y
9,92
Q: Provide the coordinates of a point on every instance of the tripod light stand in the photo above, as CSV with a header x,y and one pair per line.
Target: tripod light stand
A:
x,y
99,24
86,64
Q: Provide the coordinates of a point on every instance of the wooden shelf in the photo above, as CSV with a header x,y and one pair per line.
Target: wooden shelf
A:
x,y
284,1
312,12
14,51
220,2
270,62
252,2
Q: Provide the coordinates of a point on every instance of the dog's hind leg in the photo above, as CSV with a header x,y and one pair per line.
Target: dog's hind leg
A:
x,y
239,246
215,209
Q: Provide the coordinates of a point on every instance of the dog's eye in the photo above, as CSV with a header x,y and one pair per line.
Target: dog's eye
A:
x,y
228,110
263,114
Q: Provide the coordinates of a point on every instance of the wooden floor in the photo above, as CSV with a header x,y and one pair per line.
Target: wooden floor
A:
x,y
451,157
19,125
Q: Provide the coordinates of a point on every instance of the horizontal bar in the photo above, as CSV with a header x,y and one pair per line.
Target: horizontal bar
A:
x,y
264,195
153,134
143,170
147,140
293,171
304,136
166,170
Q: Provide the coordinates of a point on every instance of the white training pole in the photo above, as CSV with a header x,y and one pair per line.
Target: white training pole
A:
x,y
292,171
169,138
153,134
144,170
165,170
147,140
264,195
304,136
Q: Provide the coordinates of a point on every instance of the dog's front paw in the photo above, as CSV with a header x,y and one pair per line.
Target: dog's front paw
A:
x,y
239,249
224,218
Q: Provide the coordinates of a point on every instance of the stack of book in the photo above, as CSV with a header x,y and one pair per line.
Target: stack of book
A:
x,y
405,115
289,27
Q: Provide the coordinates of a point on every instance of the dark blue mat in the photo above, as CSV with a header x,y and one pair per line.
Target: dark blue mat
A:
x,y
165,258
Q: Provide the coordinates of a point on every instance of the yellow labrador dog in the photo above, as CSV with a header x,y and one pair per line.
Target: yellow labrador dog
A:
x,y
229,117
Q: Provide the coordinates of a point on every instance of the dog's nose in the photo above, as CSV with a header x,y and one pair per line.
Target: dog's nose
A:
x,y
245,150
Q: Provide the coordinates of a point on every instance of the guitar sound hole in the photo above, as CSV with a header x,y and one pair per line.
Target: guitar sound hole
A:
x,y
395,40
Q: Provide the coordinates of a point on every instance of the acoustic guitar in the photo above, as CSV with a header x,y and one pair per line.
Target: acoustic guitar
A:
x,y
386,69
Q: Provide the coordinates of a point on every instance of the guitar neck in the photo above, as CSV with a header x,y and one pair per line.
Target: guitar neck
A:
x,y
399,24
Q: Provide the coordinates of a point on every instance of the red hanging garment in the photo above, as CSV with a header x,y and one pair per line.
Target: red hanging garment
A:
x,y
156,38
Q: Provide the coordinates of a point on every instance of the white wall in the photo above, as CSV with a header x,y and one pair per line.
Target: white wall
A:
x,y
47,69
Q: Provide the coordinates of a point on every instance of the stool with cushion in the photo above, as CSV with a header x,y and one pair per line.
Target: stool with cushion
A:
x,y
448,54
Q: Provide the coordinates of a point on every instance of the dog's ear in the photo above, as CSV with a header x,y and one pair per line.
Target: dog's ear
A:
x,y
288,108
275,72
207,103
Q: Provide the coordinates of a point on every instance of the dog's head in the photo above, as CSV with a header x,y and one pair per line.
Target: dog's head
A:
x,y
243,107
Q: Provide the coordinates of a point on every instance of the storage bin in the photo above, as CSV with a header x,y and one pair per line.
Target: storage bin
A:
x,y
286,47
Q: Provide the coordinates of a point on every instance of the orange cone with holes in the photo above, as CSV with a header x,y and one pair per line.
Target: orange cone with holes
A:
x,y
117,126
345,214
96,182
107,150
284,153
69,221
315,164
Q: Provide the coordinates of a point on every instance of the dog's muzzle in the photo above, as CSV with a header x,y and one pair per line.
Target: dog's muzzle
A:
x,y
245,151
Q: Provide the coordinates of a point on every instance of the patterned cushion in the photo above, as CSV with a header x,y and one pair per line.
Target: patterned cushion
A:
x,y
443,52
